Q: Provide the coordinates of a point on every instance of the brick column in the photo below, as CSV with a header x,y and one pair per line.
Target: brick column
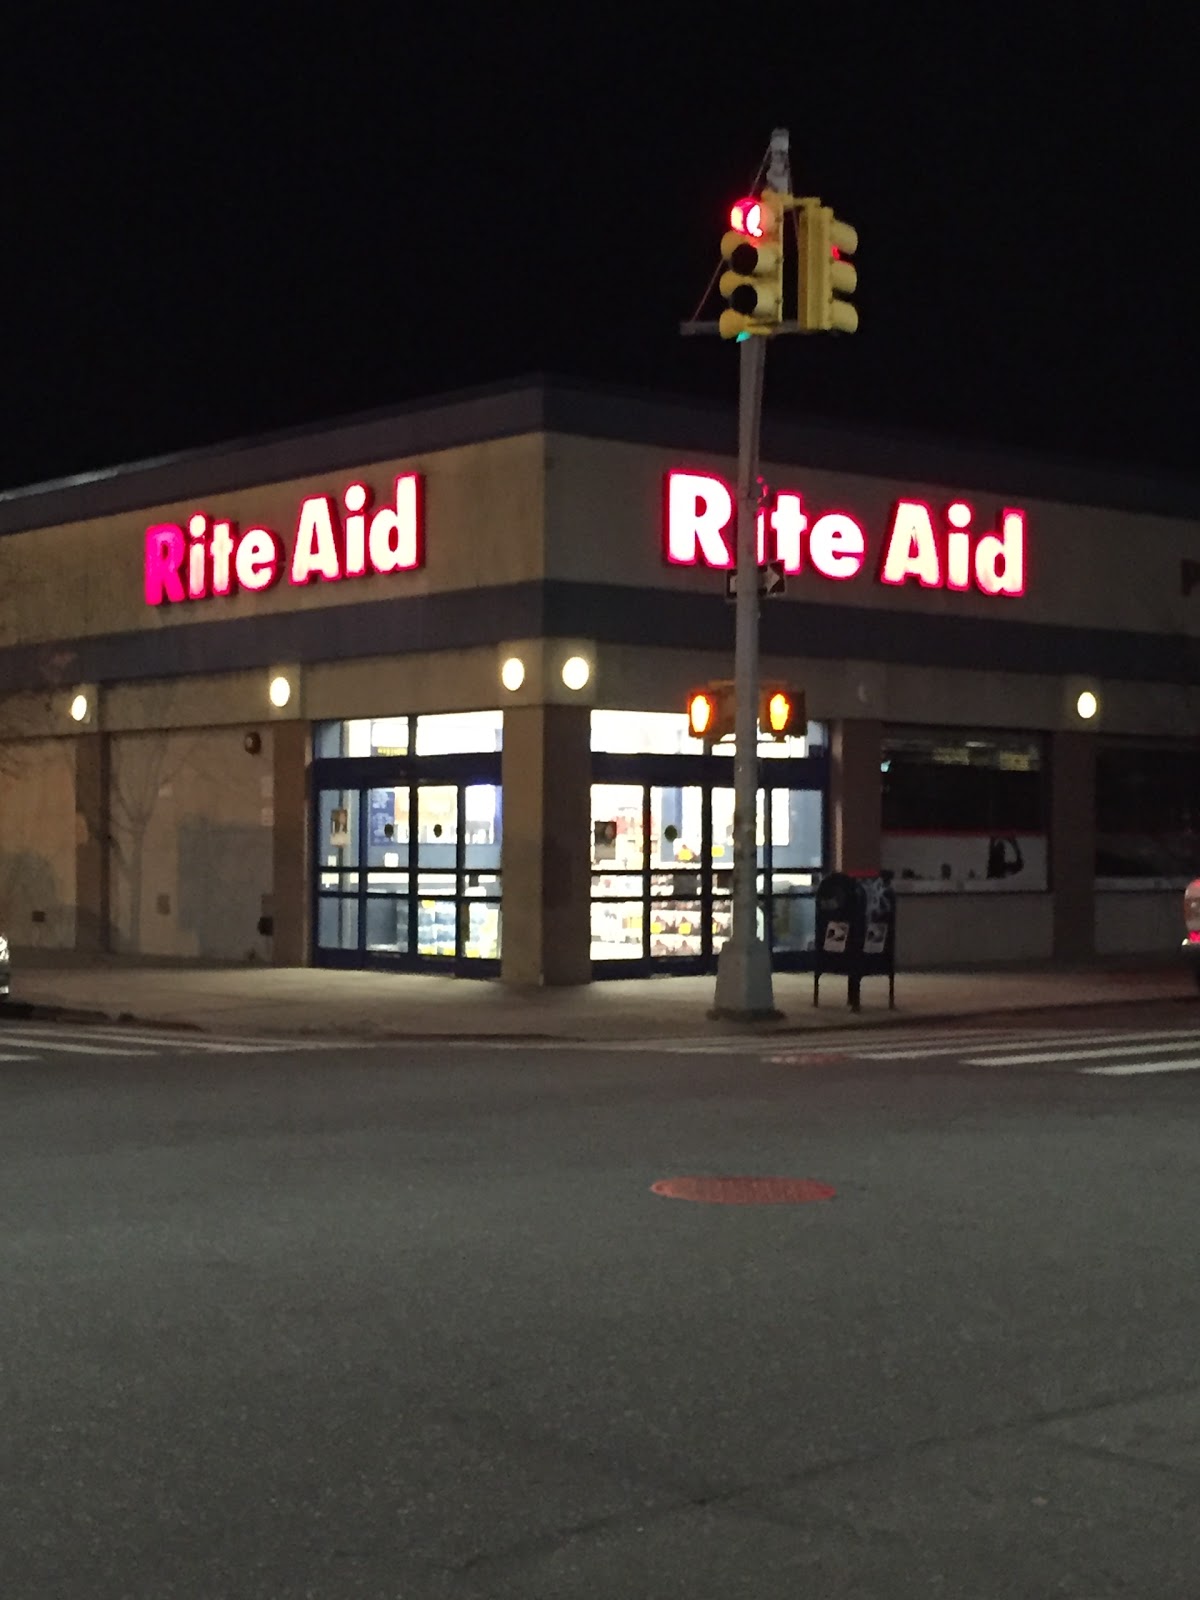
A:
x,y
291,862
856,795
545,861
93,844
1073,842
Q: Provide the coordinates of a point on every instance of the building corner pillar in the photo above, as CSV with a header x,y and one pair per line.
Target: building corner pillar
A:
x,y
1073,843
93,843
545,864
290,856
856,795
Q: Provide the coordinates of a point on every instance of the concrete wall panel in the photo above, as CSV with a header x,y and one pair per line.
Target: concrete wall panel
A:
x,y
192,823
1141,921
37,843
963,929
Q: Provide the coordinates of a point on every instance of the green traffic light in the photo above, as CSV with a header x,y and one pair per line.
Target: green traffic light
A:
x,y
741,337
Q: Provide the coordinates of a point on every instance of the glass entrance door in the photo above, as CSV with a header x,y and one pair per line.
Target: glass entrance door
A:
x,y
662,870
408,874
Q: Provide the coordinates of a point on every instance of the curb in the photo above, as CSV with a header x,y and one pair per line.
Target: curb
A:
x,y
30,1011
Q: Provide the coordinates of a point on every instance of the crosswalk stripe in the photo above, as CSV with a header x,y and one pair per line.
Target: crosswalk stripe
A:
x,y
1130,1069
71,1048
102,1041
49,1033
1066,1035
1036,1058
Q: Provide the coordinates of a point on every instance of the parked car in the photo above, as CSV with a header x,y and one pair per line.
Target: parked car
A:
x,y
4,967
1191,921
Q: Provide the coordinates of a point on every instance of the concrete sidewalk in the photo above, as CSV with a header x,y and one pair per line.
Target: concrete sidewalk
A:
x,y
314,1001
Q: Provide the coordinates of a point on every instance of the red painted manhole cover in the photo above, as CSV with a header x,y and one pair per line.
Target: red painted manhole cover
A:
x,y
744,1191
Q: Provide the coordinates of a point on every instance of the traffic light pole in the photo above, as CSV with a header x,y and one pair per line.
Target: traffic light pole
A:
x,y
744,988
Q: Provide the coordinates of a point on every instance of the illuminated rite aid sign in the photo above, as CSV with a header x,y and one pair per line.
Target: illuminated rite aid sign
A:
x,y
934,550
209,556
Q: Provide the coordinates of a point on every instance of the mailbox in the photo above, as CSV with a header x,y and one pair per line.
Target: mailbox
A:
x,y
856,933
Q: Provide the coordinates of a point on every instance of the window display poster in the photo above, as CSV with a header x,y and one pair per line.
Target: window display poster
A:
x,y
967,859
383,816
604,840
339,826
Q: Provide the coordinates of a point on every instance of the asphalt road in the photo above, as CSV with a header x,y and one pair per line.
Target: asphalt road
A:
x,y
411,1320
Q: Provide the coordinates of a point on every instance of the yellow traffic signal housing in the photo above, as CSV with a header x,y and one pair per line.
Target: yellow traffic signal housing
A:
x,y
711,711
826,278
753,255
782,713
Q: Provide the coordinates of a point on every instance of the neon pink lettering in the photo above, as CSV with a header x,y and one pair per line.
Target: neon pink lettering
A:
x,y
699,510
789,523
356,499
837,546
699,524
165,551
958,546
394,537
912,550
315,553
198,557
220,550
258,559
1000,559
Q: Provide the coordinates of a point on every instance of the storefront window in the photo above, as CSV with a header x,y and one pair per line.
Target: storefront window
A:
x,y
644,733
412,855
1147,811
722,827
781,749
617,930
618,843
459,732
963,810
796,831
361,736
440,734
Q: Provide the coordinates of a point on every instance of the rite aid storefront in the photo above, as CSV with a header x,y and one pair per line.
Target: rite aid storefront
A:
x,y
409,692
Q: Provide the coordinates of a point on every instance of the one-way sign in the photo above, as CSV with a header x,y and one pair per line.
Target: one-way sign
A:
x,y
771,581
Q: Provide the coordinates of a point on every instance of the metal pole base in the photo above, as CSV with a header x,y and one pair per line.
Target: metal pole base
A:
x,y
744,992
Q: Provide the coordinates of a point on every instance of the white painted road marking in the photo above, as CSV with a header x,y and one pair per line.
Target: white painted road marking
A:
x,y
1037,1058
1132,1069
1067,1036
86,1039
70,1046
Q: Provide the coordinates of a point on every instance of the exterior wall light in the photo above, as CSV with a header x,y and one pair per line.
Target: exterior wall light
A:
x,y
512,673
1087,705
280,692
80,708
575,672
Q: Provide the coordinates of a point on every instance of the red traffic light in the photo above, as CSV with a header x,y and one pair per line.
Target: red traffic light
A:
x,y
746,216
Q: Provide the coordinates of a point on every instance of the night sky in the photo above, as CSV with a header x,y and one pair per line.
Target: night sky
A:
x,y
219,229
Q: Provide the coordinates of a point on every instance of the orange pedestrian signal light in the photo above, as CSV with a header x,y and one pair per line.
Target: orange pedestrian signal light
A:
x,y
782,713
702,712
779,711
711,711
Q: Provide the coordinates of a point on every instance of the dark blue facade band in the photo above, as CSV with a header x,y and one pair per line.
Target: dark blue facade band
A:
x,y
609,614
